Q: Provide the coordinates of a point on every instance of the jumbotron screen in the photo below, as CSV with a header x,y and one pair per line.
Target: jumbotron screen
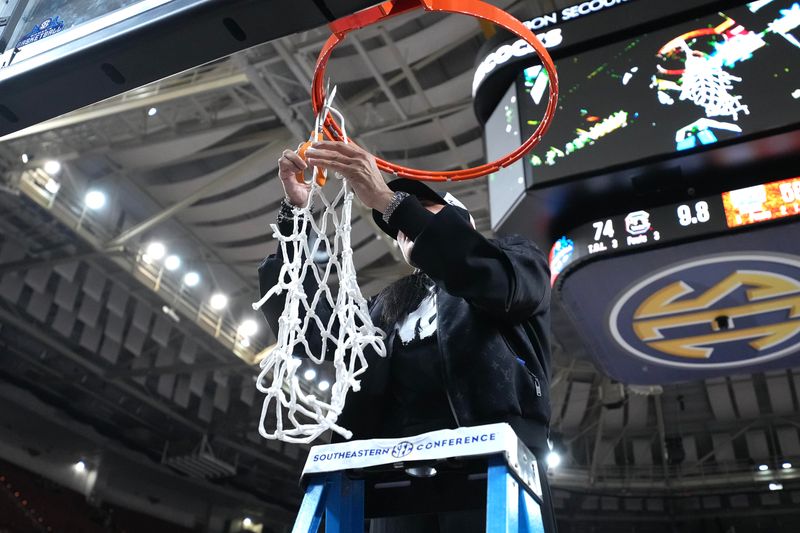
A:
x,y
718,78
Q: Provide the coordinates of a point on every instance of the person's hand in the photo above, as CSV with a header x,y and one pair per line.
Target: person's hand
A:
x,y
358,166
288,165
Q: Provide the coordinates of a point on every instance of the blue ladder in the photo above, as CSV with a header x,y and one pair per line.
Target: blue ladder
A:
x,y
511,506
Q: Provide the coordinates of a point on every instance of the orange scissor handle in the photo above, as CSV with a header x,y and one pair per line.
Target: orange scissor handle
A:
x,y
476,8
322,175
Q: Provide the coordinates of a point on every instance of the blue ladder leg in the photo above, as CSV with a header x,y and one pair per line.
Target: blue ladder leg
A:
x,y
502,498
344,505
530,513
310,514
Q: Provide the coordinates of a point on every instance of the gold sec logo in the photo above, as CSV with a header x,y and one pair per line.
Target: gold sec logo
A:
x,y
717,312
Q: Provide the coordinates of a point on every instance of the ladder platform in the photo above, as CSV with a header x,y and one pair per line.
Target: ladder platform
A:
x,y
446,470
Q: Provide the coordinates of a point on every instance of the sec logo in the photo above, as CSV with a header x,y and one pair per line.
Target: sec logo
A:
x,y
401,449
717,312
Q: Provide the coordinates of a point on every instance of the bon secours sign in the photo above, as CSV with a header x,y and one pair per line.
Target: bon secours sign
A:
x,y
550,38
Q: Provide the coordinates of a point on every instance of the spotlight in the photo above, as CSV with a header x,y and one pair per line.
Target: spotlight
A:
x,y
80,466
248,328
152,111
553,460
786,466
52,186
763,468
170,312
218,301
247,522
52,167
776,486
172,262
156,251
310,374
324,385
191,279
25,158
95,199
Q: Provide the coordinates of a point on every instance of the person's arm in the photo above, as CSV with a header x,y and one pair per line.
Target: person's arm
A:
x,y
509,276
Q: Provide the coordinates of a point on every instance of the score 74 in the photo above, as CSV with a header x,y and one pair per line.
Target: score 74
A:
x,y
603,229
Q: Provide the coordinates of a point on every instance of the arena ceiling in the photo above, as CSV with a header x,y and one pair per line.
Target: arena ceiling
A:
x,y
199,175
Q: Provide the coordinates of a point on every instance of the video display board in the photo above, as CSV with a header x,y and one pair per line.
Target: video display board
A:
x,y
718,78
507,185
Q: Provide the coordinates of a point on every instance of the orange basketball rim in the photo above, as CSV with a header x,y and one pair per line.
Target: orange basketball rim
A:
x,y
476,8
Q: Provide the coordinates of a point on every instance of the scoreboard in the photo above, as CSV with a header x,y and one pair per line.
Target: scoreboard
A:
x,y
686,220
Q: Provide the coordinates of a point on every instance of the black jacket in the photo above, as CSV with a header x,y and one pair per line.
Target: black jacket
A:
x,y
493,322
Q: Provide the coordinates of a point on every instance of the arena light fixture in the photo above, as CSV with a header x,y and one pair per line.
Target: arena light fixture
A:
x,y
52,167
52,186
763,468
172,262
553,460
152,111
310,374
248,328
324,385
95,199
786,466
776,486
156,251
191,279
218,301
25,158
247,522
80,466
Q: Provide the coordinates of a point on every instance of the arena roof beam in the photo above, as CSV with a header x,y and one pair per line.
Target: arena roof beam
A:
x,y
254,160
120,105
296,125
367,94
412,79
295,68
376,73
417,119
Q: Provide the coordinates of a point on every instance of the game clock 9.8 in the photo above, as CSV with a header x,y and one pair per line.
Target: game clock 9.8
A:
x,y
697,214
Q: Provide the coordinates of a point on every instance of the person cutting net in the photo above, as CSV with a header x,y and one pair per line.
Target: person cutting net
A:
x,y
467,332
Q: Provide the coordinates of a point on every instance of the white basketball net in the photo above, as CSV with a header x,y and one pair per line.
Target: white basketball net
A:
x,y
347,333
707,85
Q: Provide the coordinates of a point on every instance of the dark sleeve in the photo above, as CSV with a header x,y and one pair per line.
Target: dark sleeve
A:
x,y
410,217
268,274
508,276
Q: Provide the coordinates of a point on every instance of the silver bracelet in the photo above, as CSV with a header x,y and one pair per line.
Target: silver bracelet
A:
x,y
286,212
398,197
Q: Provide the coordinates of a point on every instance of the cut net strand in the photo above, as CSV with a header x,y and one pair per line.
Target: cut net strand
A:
x,y
342,322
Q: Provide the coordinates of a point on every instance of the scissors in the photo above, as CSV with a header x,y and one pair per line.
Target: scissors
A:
x,y
316,135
